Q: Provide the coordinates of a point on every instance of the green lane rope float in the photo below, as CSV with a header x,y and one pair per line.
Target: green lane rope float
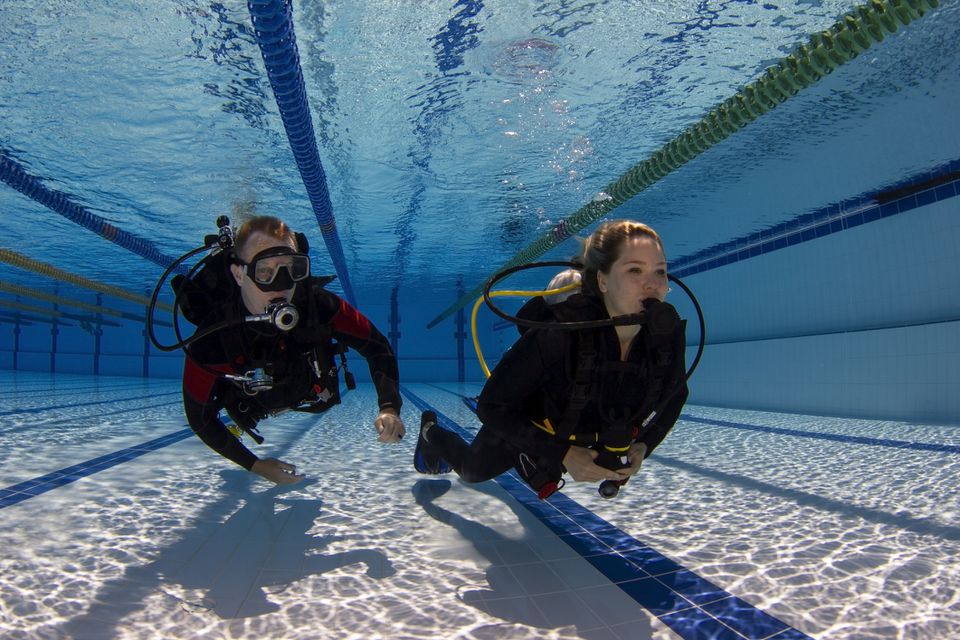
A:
x,y
854,33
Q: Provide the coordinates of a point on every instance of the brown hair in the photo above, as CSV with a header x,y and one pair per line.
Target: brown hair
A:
x,y
267,225
603,247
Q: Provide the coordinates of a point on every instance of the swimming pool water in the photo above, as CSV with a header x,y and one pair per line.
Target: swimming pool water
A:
x,y
820,239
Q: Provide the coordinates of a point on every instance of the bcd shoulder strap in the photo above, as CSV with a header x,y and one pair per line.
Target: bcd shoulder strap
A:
x,y
663,381
582,381
319,335
576,308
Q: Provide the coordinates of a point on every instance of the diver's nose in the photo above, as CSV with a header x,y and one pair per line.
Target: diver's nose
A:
x,y
654,288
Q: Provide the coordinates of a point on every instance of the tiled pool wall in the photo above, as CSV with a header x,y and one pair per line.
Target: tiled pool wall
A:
x,y
853,310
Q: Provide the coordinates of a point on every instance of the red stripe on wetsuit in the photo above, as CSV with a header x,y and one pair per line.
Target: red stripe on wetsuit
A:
x,y
351,322
198,381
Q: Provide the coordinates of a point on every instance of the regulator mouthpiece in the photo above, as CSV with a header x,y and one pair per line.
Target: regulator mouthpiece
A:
x,y
285,316
281,314
661,317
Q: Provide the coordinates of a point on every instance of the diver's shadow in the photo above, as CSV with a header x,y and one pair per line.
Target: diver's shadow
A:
x,y
262,547
500,600
230,566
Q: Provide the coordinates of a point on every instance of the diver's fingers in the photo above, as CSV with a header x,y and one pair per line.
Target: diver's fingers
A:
x,y
389,427
391,433
277,471
288,478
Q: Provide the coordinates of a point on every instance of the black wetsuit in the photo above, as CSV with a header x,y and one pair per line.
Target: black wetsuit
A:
x,y
240,348
534,380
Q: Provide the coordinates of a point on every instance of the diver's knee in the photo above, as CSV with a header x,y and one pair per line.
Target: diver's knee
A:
x,y
473,475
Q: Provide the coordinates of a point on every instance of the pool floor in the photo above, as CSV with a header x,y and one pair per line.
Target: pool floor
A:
x,y
119,523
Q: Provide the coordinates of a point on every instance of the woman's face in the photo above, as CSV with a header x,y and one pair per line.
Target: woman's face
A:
x,y
254,299
639,273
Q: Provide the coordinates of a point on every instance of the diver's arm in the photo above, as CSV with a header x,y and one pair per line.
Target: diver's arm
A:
x,y
357,332
204,421
516,380
668,416
203,415
665,421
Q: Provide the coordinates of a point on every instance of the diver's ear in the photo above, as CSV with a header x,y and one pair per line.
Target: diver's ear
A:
x,y
237,271
601,282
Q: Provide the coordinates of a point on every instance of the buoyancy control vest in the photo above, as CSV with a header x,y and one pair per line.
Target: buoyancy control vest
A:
x,y
300,370
599,380
604,383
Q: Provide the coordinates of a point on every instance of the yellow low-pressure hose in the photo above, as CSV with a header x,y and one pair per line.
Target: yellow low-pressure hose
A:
x,y
496,294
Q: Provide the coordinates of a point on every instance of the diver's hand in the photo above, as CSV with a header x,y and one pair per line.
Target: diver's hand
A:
x,y
580,466
638,451
277,471
389,426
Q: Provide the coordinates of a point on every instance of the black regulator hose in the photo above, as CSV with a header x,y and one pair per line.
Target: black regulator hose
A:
x,y
151,308
703,326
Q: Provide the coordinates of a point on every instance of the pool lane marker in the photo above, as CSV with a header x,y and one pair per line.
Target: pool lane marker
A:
x,y
689,604
835,437
30,488
75,405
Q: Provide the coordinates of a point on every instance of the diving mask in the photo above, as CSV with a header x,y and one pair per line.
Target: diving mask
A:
x,y
277,268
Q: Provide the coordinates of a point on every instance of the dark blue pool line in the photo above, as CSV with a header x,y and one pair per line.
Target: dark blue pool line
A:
x,y
690,605
15,387
939,184
84,404
71,421
877,442
30,488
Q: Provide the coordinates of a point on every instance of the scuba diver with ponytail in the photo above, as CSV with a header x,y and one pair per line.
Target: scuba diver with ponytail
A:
x,y
592,390
264,342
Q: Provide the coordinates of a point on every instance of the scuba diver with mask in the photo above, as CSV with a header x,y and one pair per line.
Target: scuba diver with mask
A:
x,y
265,342
592,390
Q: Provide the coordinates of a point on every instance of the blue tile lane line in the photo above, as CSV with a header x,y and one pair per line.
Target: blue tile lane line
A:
x,y
30,488
690,605
934,186
86,404
877,442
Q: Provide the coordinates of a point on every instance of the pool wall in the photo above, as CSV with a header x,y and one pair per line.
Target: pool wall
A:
x,y
858,320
